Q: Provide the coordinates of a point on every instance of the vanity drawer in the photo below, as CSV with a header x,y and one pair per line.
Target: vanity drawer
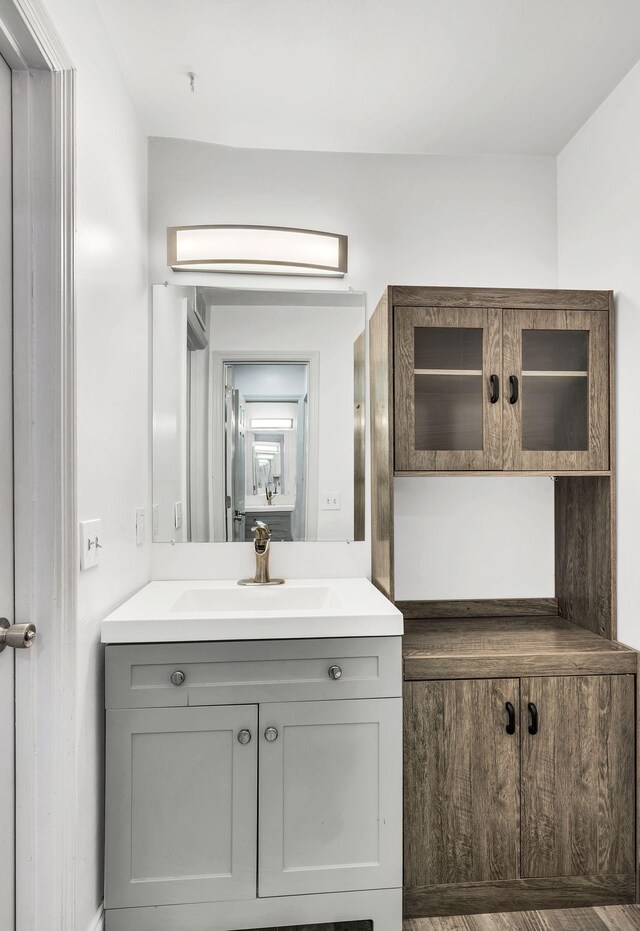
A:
x,y
140,675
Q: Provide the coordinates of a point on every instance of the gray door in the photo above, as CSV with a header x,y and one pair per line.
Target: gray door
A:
x,y
318,830
181,806
7,763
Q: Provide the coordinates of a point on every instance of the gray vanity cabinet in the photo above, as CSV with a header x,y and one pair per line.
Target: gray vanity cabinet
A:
x,y
329,805
253,783
180,800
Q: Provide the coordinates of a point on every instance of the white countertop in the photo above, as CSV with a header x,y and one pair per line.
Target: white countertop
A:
x,y
183,611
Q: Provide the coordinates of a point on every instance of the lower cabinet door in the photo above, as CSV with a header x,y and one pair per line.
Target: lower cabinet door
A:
x,y
181,805
461,781
578,776
330,796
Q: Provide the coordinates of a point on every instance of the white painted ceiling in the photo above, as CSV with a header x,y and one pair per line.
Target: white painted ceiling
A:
x,y
412,76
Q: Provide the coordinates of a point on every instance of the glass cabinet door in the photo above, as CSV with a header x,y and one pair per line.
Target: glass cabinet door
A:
x,y
556,390
447,389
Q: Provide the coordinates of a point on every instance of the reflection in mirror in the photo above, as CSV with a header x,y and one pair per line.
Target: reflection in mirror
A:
x,y
258,414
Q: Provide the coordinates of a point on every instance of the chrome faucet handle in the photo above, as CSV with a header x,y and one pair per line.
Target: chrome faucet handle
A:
x,y
261,531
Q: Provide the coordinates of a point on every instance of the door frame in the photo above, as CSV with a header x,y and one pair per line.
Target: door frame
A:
x,y
44,492
220,358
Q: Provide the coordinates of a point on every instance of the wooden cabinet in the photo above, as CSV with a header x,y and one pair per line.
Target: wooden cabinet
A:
x,y
462,792
495,389
180,804
577,775
527,805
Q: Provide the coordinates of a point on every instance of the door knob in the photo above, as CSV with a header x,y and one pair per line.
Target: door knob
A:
x,y
18,636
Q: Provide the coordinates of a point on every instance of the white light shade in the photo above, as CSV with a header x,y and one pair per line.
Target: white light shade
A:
x,y
256,250
271,423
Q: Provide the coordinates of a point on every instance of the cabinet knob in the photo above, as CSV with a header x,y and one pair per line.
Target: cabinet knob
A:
x,y
271,734
335,672
177,677
244,736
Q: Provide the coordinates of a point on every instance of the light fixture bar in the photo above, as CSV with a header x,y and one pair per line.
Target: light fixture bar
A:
x,y
272,423
257,250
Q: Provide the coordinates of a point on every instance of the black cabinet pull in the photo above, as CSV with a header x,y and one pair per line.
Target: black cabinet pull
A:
x,y
533,711
513,382
511,711
494,382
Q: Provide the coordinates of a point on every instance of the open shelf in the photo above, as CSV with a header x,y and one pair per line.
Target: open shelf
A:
x,y
496,647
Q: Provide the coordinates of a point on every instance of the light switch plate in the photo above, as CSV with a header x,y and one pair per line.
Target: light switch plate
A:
x,y
330,501
177,515
140,528
90,543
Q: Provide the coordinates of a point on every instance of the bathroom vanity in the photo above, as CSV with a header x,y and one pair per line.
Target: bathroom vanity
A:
x,y
254,757
519,714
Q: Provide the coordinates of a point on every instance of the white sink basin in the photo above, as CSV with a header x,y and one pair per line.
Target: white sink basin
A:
x,y
222,610
240,599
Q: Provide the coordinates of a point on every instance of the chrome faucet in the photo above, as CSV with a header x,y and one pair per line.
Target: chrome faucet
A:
x,y
261,545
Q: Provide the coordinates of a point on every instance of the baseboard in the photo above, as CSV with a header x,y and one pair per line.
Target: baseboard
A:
x,y
97,922
519,894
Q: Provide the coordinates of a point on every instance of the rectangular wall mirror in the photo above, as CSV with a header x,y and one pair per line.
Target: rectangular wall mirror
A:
x,y
258,414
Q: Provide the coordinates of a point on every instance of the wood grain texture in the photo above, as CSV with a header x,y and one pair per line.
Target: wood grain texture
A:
x,y
528,298
596,456
381,401
612,630
607,918
407,414
461,786
578,776
462,648
519,895
486,607
503,473
359,435
585,581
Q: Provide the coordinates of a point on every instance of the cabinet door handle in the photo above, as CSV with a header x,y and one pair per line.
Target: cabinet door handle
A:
x,y
244,736
515,389
511,711
271,734
335,672
494,383
533,711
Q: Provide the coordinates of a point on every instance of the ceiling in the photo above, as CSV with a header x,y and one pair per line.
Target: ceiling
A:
x,y
410,76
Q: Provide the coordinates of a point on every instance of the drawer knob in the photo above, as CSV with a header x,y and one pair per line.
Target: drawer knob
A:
x,y
271,734
244,736
335,672
177,677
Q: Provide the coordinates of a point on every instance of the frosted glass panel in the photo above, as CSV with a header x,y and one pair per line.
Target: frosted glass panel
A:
x,y
448,388
555,390
448,412
448,348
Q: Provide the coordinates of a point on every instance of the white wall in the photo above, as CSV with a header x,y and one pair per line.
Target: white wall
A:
x,y
112,386
599,247
410,220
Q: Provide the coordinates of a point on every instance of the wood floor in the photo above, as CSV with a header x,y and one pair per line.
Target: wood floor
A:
x,y
611,918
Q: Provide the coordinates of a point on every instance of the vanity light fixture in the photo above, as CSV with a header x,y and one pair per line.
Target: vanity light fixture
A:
x,y
272,423
256,250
